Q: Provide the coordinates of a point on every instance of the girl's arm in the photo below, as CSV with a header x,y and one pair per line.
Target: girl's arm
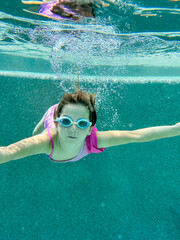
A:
x,y
40,126
27,147
114,138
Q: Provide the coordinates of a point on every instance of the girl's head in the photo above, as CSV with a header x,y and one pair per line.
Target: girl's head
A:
x,y
79,97
75,106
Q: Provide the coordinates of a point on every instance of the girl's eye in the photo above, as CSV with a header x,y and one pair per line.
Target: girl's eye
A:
x,y
83,123
66,121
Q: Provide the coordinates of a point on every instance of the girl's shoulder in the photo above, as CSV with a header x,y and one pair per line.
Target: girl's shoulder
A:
x,y
51,133
48,138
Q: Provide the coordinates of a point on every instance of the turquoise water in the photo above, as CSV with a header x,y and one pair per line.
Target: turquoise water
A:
x,y
131,62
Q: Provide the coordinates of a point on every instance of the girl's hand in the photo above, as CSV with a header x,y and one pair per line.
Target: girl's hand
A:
x,y
3,155
177,127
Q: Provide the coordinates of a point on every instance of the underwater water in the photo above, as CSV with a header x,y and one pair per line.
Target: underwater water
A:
x,y
129,57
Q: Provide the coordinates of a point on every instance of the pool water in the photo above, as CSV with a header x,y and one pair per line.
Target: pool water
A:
x,y
129,57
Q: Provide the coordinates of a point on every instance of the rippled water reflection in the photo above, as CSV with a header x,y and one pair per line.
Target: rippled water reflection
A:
x,y
106,45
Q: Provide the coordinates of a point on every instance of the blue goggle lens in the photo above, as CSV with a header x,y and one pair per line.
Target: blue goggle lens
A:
x,y
83,124
67,122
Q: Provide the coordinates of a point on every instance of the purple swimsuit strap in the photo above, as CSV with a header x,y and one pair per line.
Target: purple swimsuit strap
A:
x,y
52,142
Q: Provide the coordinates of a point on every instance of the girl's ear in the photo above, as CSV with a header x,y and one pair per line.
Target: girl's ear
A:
x,y
90,130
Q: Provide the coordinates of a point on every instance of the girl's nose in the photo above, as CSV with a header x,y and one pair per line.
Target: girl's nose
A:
x,y
74,128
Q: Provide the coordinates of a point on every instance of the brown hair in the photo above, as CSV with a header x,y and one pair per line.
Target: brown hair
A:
x,y
86,9
80,97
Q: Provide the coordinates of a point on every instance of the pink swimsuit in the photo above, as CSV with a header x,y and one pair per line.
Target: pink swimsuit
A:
x,y
89,145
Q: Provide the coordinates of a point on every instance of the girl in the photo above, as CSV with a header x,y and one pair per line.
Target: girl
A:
x,y
67,133
62,9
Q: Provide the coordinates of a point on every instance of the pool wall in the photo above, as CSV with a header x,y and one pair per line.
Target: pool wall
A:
x,y
129,192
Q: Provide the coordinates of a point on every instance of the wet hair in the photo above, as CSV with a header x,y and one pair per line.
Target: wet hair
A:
x,y
82,9
79,97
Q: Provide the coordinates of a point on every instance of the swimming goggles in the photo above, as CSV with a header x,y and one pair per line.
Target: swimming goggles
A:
x,y
81,123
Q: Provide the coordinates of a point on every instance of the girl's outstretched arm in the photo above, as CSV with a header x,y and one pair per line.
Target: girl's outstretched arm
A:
x,y
26,147
114,138
40,126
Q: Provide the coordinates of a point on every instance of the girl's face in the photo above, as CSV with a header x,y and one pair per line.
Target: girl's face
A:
x,y
74,134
